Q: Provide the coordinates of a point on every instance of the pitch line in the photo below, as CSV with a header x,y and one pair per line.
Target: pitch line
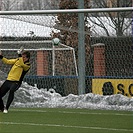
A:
x,y
66,126
70,112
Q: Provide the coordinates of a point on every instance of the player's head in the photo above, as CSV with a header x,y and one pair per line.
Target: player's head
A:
x,y
26,55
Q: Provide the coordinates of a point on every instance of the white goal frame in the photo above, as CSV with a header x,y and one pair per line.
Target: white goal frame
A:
x,y
94,10
53,49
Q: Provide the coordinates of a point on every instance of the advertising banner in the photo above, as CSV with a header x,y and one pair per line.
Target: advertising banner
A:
x,y
113,86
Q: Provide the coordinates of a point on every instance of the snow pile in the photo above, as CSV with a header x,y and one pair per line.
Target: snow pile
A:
x,y
29,96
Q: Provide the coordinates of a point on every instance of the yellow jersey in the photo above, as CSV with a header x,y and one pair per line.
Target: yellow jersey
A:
x,y
18,70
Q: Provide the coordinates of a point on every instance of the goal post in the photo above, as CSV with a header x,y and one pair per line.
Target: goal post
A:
x,y
54,49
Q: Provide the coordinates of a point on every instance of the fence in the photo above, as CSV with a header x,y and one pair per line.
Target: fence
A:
x,y
100,47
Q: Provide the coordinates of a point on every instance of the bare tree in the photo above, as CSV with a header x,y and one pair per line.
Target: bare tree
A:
x,y
8,5
39,4
119,22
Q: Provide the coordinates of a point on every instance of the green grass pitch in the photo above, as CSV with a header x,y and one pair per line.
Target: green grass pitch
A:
x,y
59,120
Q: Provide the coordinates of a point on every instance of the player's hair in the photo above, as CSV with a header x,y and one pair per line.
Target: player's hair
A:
x,y
27,53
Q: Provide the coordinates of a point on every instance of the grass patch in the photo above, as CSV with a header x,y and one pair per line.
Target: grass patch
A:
x,y
59,120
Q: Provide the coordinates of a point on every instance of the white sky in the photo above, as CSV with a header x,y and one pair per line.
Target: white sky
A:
x,y
10,27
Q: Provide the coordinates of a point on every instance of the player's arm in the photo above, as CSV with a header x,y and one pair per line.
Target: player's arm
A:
x,y
7,61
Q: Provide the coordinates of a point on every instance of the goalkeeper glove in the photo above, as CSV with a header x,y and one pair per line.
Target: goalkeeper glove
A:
x,y
20,50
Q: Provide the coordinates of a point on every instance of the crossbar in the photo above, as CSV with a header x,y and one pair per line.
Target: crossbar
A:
x,y
25,42
94,10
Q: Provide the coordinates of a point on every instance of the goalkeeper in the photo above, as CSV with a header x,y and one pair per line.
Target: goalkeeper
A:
x,y
20,66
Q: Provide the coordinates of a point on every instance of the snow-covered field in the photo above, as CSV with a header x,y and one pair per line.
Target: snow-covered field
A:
x,y
29,96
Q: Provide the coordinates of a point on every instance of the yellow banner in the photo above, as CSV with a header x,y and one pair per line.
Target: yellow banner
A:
x,y
119,86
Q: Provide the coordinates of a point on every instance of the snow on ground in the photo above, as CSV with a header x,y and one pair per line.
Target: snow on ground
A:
x,y
29,96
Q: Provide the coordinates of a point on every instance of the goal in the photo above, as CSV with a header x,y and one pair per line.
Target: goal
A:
x,y
46,59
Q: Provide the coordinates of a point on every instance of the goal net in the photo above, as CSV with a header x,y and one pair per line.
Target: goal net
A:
x,y
107,52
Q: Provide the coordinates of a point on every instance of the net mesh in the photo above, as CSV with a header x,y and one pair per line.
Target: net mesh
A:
x,y
108,49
